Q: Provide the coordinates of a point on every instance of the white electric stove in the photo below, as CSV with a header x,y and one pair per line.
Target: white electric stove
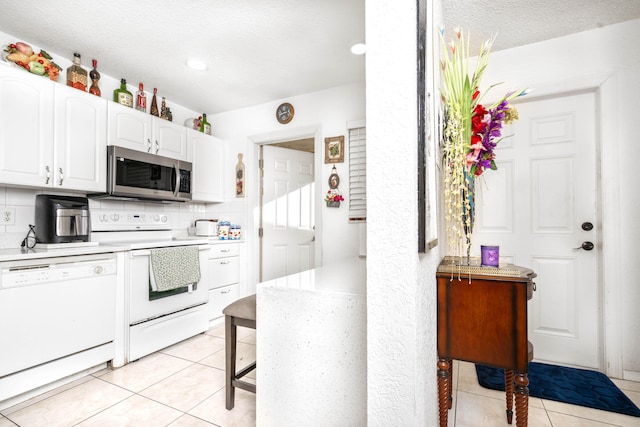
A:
x,y
152,320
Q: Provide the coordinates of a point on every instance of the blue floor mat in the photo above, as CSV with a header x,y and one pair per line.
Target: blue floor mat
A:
x,y
569,385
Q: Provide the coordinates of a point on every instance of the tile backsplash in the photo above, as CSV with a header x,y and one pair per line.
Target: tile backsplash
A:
x,y
20,202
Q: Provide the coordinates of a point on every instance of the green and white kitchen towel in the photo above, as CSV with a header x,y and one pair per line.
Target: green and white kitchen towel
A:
x,y
171,268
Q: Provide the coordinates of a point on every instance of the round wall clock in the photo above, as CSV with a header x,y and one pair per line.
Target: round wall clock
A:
x,y
284,113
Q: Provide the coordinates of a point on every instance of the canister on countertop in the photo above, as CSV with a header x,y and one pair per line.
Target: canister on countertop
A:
x,y
235,232
223,230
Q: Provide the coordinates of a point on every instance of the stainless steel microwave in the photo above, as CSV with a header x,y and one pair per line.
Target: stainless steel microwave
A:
x,y
138,175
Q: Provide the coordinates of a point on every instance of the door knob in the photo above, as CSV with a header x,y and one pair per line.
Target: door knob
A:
x,y
587,246
587,226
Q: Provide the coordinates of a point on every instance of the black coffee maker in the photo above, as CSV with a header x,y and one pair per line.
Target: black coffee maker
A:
x,y
62,219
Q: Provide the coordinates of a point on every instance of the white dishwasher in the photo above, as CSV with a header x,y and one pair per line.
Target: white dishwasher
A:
x,y
56,316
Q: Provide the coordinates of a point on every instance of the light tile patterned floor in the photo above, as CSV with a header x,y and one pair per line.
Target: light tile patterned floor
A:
x,y
183,386
179,386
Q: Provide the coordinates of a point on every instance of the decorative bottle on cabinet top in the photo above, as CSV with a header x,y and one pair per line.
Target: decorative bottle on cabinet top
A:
x,y
141,99
76,75
205,127
154,104
95,76
122,95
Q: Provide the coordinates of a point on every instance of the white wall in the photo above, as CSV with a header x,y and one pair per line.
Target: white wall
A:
x,y
320,115
401,288
608,60
623,217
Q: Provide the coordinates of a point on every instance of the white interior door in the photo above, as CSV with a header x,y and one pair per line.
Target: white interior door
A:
x,y
537,207
288,212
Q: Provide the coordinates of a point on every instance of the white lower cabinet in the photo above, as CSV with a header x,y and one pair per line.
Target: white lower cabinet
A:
x,y
224,277
220,298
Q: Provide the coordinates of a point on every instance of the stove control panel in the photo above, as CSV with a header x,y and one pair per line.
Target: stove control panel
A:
x,y
129,220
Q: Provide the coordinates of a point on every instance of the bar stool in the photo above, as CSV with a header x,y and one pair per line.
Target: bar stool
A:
x,y
239,313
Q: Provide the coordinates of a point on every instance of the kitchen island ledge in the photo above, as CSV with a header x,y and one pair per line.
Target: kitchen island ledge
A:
x,y
311,347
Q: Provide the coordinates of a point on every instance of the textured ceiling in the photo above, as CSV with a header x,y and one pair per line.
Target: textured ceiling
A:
x,y
263,50
257,50
518,22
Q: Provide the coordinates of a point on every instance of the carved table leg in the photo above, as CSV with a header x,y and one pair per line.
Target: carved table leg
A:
x,y
508,388
522,399
444,390
450,384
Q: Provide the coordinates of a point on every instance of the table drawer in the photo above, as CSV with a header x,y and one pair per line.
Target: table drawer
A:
x,y
224,250
220,298
223,272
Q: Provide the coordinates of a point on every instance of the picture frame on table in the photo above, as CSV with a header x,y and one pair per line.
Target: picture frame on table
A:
x,y
334,149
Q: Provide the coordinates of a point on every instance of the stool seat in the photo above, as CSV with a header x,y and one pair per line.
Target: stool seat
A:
x,y
241,312
244,308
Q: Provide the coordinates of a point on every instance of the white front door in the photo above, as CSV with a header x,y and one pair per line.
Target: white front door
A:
x,y
288,212
538,207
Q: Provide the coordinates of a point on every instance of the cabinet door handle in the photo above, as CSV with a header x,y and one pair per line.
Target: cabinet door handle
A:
x,y
157,146
225,250
48,174
149,145
224,262
61,176
225,292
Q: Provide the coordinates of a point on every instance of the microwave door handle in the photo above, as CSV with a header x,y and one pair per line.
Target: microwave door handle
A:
x,y
177,190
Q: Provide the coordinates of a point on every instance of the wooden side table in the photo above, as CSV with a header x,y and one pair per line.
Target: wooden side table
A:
x,y
482,318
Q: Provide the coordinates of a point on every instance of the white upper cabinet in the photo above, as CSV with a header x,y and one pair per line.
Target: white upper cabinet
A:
x,y
26,128
169,139
50,135
207,168
128,128
136,130
80,157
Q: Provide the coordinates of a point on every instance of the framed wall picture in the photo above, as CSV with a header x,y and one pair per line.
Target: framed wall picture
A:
x,y
334,149
428,130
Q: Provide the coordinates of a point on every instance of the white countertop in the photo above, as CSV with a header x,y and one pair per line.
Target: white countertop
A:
x,y
17,254
344,277
39,252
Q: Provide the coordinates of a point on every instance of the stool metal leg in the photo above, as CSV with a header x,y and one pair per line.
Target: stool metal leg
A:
x,y
230,332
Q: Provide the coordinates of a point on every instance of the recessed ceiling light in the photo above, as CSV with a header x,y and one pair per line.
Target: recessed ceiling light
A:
x,y
196,64
359,49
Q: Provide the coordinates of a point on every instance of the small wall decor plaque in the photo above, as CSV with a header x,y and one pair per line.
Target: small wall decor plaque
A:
x,y
333,196
334,149
240,177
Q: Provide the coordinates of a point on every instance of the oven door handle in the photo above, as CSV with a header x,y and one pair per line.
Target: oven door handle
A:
x,y
140,253
147,252
177,169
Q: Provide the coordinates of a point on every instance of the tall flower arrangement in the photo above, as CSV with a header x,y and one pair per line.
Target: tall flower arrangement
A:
x,y
470,135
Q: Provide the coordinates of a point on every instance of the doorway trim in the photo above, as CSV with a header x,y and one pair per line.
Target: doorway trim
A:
x,y
275,137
